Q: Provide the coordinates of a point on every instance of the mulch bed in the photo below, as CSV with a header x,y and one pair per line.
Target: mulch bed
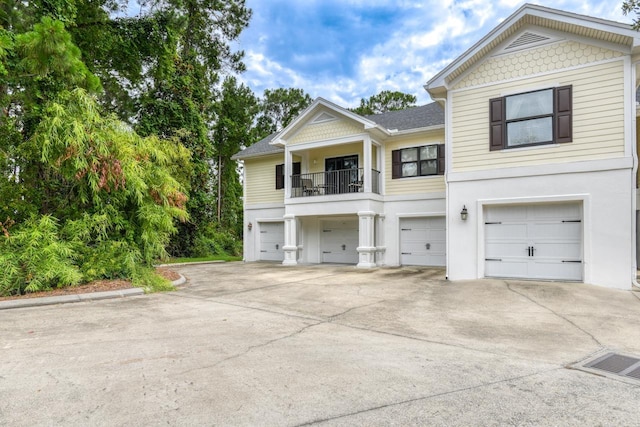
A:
x,y
95,286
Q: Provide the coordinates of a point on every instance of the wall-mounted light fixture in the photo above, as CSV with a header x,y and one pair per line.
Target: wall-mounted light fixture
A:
x,y
250,226
464,213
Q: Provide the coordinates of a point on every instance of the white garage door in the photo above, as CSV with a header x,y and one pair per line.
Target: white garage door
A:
x,y
271,241
339,241
534,241
422,241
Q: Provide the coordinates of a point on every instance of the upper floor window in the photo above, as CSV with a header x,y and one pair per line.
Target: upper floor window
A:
x,y
418,161
531,118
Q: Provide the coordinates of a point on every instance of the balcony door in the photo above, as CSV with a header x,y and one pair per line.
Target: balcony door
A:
x,y
340,172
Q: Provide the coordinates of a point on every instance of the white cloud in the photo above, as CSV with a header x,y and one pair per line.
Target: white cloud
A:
x,y
430,36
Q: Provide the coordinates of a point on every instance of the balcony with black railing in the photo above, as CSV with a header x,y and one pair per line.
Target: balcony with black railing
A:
x,y
335,182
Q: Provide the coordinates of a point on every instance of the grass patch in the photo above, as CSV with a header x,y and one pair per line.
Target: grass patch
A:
x,y
204,259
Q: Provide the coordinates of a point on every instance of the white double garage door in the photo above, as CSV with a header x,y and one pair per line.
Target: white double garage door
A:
x,y
538,241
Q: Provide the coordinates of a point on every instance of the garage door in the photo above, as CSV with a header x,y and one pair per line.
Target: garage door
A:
x,y
339,241
422,241
271,241
534,241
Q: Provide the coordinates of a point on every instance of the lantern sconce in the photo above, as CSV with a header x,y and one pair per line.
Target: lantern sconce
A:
x,y
464,213
250,226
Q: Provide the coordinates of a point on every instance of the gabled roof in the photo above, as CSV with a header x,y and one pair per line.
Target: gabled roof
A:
x,y
320,104
260,148
421,117
412,118
533,15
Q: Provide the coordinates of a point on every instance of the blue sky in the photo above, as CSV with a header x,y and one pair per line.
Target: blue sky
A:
x,y
344,50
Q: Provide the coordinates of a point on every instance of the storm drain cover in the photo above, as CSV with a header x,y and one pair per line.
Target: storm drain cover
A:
x,y
617,364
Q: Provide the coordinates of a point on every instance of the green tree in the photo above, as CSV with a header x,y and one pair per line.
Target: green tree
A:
x,y
384,102
234,128
279,107
632,6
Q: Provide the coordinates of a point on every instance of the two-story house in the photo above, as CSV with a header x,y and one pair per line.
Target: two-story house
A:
x,y
525,166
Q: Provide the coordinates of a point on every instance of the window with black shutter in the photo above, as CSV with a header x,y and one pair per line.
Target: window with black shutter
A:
x,y
280,174
425,160
531,118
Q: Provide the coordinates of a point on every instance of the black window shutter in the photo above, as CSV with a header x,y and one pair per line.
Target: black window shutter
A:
x,y
563,104
496,124
279,177
295,179
440,159
396,164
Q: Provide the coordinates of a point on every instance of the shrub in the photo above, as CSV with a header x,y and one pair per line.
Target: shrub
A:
x,y
34,258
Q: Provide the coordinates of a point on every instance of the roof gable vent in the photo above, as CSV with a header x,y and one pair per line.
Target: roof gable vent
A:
x,y
527,39
323,117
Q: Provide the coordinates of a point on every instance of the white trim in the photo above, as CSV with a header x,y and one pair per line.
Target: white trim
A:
x,y
585,199
415,197
544,169
530,76
259,206
359,137
421,215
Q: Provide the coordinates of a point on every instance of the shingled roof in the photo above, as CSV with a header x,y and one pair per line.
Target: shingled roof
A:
x,y
411,118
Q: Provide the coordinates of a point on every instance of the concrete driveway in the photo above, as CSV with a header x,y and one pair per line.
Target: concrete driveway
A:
x,y
263,344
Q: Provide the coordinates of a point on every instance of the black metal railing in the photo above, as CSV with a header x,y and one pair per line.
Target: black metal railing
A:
x,y
333,182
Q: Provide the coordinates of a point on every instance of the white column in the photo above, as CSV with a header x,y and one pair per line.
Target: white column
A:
x,y
288,169
366,248
381,245
290,240
366,149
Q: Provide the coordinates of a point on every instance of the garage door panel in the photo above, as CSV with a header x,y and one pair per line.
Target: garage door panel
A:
x,y
506,231
506,213
556,270
340,239
506,249
423,241
559,250
557,231
271,241
506,268
542,246
560,211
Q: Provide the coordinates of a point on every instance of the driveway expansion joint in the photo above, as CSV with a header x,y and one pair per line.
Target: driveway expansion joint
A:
x,y
435,395
555,313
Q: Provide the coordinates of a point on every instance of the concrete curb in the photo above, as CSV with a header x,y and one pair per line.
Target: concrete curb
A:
x,y
176,264
90,296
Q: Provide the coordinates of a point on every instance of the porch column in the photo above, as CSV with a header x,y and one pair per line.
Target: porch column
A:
x,y
381,247
288,170
366,150
366,248
290,247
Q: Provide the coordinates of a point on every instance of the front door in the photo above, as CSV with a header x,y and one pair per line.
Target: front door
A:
x,y
340,172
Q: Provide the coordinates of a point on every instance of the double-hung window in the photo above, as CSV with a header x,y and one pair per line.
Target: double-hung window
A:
x,y
418,161
531,118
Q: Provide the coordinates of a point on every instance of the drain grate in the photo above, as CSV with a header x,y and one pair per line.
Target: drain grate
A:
x,y
619,364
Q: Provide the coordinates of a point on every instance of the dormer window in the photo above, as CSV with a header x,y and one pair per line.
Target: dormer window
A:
x,y
531,118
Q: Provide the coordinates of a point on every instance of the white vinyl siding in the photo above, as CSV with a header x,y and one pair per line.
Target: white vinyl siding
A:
x,y
598,120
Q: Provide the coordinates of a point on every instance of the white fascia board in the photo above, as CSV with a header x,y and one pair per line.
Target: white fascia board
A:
x,y
321,102
534,10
